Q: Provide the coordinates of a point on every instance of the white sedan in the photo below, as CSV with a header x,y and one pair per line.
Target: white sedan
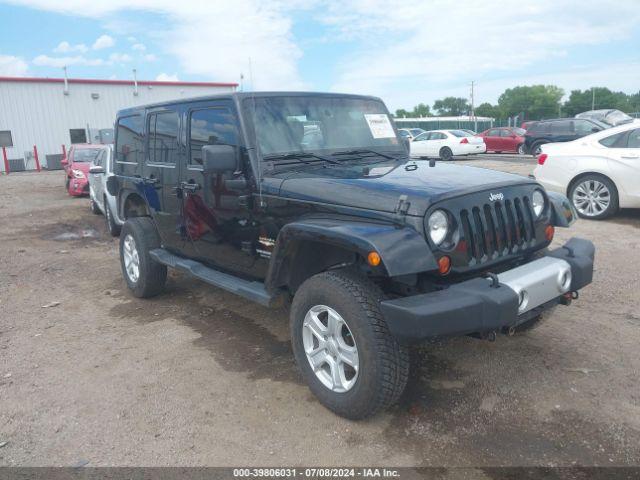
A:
x,y
599,173
446,143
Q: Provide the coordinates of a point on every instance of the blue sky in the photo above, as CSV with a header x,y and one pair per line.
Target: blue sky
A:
x,y
405,52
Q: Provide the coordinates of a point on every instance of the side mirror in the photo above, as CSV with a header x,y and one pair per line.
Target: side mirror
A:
x,y
96,169
219,158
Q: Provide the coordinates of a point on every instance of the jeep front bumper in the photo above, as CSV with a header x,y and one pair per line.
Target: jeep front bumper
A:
x,y
483,305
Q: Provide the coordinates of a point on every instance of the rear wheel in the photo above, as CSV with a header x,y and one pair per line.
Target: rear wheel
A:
x,y
343,347
446,153
144,276
594,196
521,149
536,148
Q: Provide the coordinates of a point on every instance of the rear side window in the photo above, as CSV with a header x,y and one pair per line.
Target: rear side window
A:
x,y
634,139
422,136
562,126
612,140
583,127
211,126
460,133
163,137
129,139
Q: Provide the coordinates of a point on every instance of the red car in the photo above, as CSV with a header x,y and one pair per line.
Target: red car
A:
x,y
504,139
76,167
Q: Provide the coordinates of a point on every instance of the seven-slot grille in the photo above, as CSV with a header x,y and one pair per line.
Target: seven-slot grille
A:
x,y
497,229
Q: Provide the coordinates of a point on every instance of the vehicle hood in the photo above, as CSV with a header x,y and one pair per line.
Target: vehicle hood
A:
x,y
380,186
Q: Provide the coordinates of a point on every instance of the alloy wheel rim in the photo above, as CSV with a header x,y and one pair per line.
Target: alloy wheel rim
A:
x,y
591,198
131,258
330,348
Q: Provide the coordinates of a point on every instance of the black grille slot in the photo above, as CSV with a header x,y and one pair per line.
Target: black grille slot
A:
x,y
496,229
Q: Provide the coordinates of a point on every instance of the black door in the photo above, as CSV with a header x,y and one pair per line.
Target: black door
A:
x,y
217,206
161,173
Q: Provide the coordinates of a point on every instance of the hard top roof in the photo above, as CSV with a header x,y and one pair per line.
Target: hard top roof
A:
x,y
239,96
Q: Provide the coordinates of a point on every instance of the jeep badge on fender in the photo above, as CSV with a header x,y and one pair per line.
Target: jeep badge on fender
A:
x,y
310,200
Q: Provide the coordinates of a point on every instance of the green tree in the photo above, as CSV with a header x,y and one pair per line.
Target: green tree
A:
x,y
452,106
488,110
421,110
401,113
535,101
581,101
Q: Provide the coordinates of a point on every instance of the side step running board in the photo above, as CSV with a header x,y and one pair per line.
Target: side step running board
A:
x,y
253,291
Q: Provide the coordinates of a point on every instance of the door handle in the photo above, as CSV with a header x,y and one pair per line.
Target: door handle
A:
x,y
189,187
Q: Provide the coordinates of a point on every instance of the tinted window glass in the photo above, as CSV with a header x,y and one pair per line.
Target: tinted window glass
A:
x,y
633,140
505,133
438,136
493,132
163,137
562,126
129,139
85,154
519,131
460,133
583,127
423,136
213,126
611,140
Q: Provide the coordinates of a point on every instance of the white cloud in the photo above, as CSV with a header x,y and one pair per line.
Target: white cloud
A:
x,y
132,39
66,47
140,47
120,58
165,77
214,40
103,41
150,57
410,47
11,66
59,62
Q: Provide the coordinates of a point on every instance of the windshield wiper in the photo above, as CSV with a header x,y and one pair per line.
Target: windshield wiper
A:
x,y
299,156
363,151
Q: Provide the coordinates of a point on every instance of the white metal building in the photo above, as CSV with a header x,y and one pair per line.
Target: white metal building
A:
x,y
52,112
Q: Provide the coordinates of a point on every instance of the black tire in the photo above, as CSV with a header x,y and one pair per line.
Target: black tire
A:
x,y
522,150
383,362
536,148
445,153
112,226
613,196
94,207
152,275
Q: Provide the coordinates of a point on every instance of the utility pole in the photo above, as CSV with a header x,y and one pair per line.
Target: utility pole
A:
x,y
473,110
593,98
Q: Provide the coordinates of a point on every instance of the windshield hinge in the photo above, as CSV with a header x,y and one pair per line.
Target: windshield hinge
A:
x,y
402,207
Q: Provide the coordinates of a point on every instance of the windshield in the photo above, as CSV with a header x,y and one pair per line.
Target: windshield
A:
x,y
299,124
86,154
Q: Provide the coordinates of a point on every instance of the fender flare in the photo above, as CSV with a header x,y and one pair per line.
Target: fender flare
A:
x,y
563,213
403,251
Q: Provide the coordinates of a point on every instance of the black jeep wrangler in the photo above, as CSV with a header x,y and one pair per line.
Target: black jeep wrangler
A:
x,y
312,199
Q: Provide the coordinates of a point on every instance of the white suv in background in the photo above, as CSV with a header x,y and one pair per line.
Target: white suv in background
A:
x,y
101,201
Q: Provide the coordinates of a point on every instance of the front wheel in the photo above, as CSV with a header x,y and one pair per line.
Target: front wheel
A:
x,y
536,148
446,153
144,276
112,226
521,149
343,347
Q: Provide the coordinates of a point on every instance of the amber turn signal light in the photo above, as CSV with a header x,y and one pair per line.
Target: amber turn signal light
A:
x,y
444,265
549,232
373,259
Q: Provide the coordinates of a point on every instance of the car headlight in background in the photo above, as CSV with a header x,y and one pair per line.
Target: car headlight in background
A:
x,y
438,226
77,173
537,202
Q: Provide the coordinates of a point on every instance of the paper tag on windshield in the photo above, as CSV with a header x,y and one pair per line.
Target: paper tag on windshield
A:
x,y
379,125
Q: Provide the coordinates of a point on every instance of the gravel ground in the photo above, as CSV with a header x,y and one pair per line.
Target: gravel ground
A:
x,y
200,377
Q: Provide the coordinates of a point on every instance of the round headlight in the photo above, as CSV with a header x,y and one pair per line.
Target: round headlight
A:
x,y
438,226
537,201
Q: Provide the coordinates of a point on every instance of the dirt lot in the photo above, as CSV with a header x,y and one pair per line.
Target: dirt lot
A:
x,y
200,377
